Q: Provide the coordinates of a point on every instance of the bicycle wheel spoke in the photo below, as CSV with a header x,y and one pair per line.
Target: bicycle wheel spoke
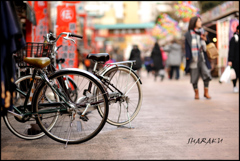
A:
x,y
127,82
87,122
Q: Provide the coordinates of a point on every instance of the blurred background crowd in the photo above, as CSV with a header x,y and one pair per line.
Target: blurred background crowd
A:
x,y
124,27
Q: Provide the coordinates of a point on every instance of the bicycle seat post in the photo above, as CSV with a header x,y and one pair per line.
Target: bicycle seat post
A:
x,y
95,67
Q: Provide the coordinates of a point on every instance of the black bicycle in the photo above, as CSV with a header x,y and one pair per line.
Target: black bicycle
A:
x,y
62,119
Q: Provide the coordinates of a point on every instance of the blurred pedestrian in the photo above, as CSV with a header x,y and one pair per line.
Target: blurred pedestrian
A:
x,y
174,59
197,62
148,62
233,56
156,56
136,55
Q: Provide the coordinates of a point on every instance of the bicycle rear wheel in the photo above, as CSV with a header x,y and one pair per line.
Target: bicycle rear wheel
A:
x,y
84,126
25,128
129,104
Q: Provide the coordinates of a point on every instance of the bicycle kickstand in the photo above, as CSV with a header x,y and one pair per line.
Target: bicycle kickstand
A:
x,y
128,117
69,133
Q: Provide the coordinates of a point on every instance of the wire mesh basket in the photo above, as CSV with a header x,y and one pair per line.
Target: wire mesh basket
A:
x,y
32,50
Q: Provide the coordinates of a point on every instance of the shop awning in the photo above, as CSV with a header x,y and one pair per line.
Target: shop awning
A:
x,y
220,11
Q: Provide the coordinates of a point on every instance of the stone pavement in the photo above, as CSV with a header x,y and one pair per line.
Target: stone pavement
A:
x,y
170,125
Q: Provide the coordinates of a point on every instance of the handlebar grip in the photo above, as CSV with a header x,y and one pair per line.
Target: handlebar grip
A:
x,y
74,35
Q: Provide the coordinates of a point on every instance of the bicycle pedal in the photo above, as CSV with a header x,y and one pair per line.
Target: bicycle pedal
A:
x,y
84,118
86,92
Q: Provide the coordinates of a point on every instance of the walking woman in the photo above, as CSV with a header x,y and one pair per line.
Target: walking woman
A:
x,y
156,56
197,62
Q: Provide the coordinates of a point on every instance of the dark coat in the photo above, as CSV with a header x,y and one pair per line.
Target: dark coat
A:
x,y
156,56
12,40
233,54
135,55
188,50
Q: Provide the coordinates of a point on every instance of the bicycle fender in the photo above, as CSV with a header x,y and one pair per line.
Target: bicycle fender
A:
x,y
124,66
77,70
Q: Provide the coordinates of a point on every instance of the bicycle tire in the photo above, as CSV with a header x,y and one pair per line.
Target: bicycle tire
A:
x,y
25,129
118,115
84,127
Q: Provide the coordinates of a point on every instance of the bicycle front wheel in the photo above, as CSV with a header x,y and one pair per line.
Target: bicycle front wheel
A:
x,y
123,110
79,122
25,128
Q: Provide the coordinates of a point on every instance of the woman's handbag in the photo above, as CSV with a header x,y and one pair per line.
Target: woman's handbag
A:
x,y
212,51
226,75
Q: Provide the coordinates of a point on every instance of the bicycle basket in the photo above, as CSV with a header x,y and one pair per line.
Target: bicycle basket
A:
x,y
32,50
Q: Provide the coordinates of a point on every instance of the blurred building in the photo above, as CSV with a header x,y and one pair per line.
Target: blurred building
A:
x,y
115,24
124,23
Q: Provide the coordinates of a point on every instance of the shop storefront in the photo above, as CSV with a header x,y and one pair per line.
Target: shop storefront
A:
x,y
123,36
221,23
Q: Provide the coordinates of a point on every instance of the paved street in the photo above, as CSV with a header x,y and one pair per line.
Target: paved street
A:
x,y
169,121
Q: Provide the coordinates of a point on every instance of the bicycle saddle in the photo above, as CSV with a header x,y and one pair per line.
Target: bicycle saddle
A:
x,y
100,57
37,62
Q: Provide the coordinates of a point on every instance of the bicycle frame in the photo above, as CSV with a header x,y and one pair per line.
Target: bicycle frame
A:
x,y
52,69
106,82
64,100
27,96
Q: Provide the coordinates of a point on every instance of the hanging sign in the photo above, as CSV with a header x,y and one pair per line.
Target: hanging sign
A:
x,y
66,22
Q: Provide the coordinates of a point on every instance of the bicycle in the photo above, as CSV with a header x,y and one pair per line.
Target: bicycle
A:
x,y
92,92
62,119
123,86
118,115
29,129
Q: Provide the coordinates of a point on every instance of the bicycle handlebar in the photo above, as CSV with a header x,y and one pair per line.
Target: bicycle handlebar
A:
x,y
50,38
74,35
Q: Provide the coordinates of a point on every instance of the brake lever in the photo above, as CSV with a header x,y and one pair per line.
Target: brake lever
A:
x,y
67,38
